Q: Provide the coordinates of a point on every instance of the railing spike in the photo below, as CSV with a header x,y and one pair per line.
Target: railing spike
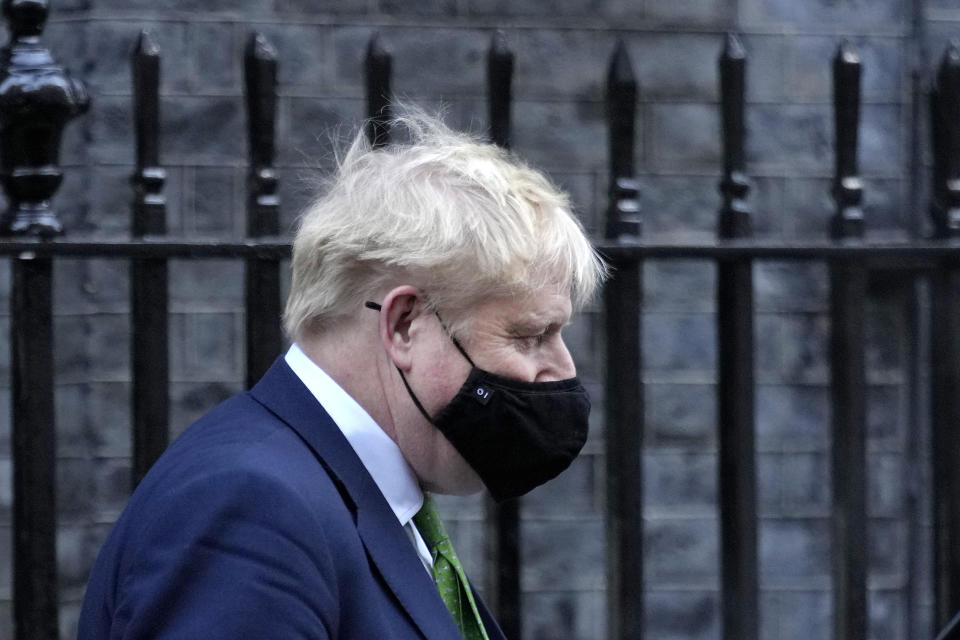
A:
x,y
378,69
847,186
499,80
623,214
734,219
945,131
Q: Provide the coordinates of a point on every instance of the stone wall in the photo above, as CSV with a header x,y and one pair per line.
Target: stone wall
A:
x,y
562,49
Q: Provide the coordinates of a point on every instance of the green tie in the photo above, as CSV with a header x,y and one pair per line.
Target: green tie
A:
x,y
448,572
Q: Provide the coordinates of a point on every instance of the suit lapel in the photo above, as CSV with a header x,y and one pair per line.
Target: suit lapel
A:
x,y
388,546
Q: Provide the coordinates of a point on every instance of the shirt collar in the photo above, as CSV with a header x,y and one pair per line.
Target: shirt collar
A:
x,y
377,451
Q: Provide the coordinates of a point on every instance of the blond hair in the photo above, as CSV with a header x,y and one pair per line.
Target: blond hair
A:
x,y
461,219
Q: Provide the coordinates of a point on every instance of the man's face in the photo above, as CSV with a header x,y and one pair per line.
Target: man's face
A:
x,y
518,337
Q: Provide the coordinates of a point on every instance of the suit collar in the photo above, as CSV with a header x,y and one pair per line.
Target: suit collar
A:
x,y
388,546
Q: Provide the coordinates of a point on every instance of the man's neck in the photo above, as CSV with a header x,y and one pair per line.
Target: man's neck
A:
x,y
349,356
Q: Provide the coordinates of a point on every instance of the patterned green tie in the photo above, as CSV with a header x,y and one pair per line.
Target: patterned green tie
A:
x,y
448,573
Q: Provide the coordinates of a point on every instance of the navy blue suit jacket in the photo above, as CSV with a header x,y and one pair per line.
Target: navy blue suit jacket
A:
x,y
261,522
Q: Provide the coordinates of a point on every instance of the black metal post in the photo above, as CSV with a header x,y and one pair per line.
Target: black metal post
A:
x,y
735,389
35,614
37,99
624,387
148,282
848,284
378,67
502,520
945,340
263,306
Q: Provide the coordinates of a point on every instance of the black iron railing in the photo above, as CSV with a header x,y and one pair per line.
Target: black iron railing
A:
x,y
47,98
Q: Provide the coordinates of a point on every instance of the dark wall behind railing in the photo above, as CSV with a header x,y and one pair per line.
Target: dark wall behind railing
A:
x,y
562,52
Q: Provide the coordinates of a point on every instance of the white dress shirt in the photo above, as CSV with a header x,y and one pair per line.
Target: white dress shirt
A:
x,y
377,451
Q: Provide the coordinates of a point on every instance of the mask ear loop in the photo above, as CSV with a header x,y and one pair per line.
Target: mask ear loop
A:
x,y
416,401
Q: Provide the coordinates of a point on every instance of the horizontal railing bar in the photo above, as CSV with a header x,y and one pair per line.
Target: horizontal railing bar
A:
x,y
276,247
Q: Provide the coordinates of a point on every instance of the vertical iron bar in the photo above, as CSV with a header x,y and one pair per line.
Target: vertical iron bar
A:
x,y
848,283
35,613
264,337
378,67
735,389
148,282
503,520
945,340
624,386
847,187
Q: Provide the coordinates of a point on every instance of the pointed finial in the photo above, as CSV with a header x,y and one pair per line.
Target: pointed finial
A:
x,y
146,45
733,48
259,47
621,69
846,53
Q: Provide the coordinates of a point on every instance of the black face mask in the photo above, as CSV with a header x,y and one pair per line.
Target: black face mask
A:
x,y
516,435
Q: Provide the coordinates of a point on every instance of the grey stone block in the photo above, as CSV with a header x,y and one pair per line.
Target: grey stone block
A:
x,y
683,136
699,12
558,136
886,482
238,7
430,8
887,540
766,67
190,400
785,286
573,492
92,346
582,189
682,614
562,555
436,63
885,207
103,427
681,551
679,341
675,66
880,152
810,67
679,285
680,483
886,338
214,59
110,130
559,64
576,615
794,552
886,407
91,285
794,347
793,483
312,129
888,615
203,130
809,207
766,201
213,282
680,415
797,614
214,204
207,346
787,139
111,43
792,417
853,15
678,205
302,55
320,7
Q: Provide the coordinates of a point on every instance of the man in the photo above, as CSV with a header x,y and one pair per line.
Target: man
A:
x,y
430,286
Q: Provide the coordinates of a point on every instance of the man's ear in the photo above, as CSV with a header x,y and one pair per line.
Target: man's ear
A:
x,y
400,310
